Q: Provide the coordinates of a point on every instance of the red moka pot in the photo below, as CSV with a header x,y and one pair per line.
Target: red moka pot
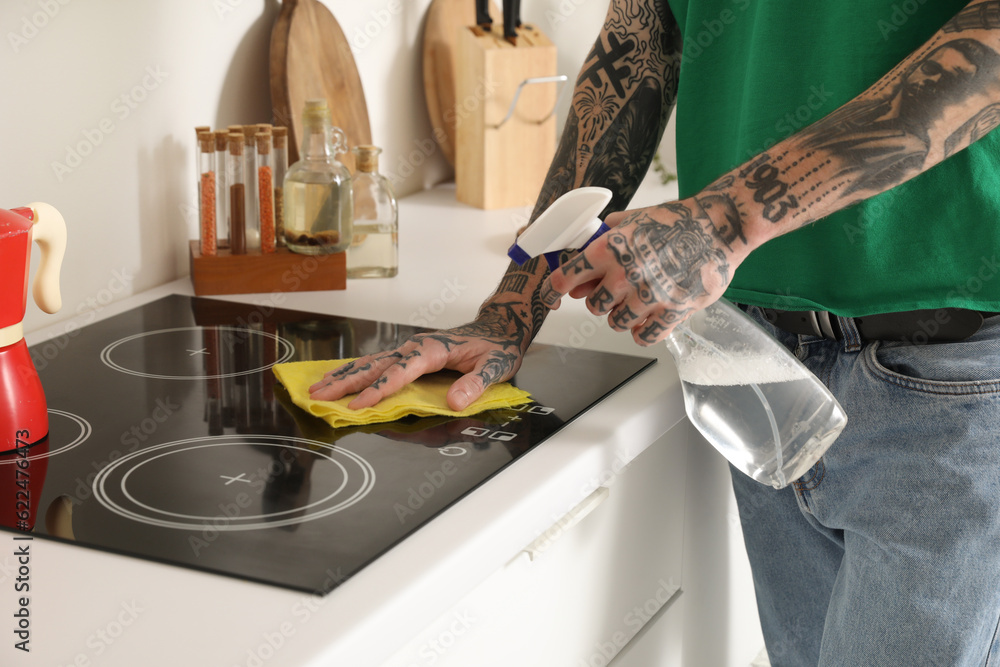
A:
x,y
24,422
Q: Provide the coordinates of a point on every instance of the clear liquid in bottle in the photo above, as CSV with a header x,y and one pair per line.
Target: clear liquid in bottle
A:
x,y
750,398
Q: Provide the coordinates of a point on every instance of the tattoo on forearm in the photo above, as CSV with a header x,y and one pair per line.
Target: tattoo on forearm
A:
x,y
973,130
626,149
513,282
604,61
984,16
770,191
620,106
883,139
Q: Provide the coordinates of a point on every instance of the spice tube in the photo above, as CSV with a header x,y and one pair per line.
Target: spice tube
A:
x,y
251,212
279,160
265,190
221,189
207,193
237,196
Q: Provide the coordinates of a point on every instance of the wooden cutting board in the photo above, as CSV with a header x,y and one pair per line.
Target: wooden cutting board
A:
x,y
311,58
444,19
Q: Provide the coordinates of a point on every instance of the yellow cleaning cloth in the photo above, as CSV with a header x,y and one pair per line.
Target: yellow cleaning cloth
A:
x,y
424,397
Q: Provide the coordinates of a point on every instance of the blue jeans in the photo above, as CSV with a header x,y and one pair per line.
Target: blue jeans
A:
x,y
887,552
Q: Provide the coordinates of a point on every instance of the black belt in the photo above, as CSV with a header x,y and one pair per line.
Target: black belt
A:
x,y
936,325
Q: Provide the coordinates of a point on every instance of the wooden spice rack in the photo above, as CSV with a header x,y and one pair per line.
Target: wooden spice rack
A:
x,y
253,273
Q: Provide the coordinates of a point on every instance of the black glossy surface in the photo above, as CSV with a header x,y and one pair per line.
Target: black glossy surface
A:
x,y
172,440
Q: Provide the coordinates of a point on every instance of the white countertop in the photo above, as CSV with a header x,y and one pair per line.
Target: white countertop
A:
x,y
93,608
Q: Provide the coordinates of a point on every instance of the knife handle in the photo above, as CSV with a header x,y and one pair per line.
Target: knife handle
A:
x,y
511,19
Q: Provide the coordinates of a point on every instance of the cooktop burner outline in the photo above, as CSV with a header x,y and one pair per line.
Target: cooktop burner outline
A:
x,y
85,430
238,523
286,352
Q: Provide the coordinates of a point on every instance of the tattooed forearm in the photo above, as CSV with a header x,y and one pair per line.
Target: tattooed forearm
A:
x,y
974,129
937,101
621,103
984,16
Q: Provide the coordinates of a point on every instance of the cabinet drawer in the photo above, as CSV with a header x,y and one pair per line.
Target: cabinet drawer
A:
x,y
585,587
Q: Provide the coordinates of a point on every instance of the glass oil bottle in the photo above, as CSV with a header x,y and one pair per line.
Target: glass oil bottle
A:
x,y
374,249
318,196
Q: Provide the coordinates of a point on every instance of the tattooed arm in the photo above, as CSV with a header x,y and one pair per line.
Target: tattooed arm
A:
x,y
662,263
621,102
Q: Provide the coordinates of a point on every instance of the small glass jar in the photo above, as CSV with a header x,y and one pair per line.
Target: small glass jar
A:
x,y
265,191
374,249
221,189
206,193
237,196
251,202
318,200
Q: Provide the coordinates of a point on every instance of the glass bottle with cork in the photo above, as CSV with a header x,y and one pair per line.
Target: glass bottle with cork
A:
x,y
221,189
237,195
265,190
251,204
206,192
374,249
318,210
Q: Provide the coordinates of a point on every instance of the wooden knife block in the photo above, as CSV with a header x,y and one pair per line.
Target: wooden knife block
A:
x,y
503,167
256,273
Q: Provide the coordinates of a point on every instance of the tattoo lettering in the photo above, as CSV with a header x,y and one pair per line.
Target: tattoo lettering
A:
x,y
651,331
622,316
602,300
577,265
768,190
513,282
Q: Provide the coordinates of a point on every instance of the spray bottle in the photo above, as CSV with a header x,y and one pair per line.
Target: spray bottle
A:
x,y
745,392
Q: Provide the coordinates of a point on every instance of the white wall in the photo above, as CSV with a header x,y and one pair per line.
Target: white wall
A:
x,y
102,97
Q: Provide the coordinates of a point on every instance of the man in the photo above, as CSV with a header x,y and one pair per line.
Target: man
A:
x,y
873,256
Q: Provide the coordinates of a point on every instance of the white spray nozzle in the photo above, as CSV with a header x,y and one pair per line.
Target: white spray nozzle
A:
x,y
570,222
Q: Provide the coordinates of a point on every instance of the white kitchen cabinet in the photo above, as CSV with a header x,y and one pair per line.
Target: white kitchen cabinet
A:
x,y
579,593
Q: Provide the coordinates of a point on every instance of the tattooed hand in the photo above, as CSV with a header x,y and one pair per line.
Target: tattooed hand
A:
x,y
656,266
488,350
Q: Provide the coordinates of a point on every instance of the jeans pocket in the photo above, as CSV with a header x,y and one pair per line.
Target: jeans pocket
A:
x,y
966,367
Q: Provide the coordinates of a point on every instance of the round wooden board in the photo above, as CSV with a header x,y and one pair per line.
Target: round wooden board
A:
x,y
311,58
444,19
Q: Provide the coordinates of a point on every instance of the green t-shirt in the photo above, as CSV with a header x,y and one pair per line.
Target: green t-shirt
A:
x,y
756,71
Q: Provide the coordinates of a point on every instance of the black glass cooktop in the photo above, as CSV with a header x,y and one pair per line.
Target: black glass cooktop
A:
x,y
171,440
